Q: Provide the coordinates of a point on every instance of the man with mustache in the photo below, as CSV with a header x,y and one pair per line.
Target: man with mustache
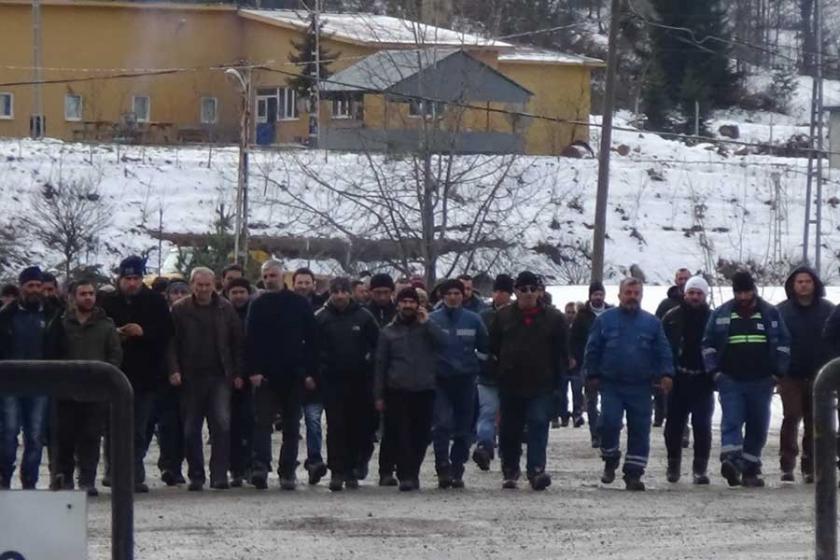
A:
x,y
626,354
746,349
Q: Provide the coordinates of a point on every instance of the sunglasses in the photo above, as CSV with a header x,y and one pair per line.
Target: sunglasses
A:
x,y
528,289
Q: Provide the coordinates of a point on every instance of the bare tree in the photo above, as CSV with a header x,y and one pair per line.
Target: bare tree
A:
x,y
68,218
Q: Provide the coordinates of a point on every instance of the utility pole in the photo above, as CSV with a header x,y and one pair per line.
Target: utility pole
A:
x,y
240,239
36,122
813,190
606,143
315,111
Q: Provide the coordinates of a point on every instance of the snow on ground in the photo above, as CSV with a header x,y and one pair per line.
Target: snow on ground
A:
x,y
663,195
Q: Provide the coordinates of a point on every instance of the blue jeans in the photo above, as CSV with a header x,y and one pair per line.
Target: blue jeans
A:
x,y
488,409
517,413
312,413
745,419
574,381
27,414
635,401
454,411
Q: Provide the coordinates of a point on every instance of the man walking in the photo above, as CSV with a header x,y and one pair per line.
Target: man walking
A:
x,y
805,313
594,307
529,341
84,332
472,301
23,327
238,293
206,361
570,381
673,299
626,354
746,348
488,391
145,328
348,335
404,386
459,363
281,358
693,391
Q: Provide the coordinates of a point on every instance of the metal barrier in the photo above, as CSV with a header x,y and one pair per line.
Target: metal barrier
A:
x,y
826,386
92,382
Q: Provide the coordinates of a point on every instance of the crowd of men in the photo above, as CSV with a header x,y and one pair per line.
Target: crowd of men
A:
x,y
395,363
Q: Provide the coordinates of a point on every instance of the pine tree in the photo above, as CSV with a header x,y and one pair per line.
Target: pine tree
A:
x,y
695,64
303,57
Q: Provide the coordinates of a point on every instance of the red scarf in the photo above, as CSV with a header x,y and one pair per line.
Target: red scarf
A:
x,y
530,315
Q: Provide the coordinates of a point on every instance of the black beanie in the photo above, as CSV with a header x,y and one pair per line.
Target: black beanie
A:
x,y
596,286
408,293
503,283
742,281
381,281
132,266
451,284
29,274
527,278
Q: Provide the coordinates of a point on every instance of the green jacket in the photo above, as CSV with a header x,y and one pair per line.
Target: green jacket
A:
x,y
96,339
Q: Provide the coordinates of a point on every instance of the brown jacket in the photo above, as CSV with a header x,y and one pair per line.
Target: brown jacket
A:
x,y
191,336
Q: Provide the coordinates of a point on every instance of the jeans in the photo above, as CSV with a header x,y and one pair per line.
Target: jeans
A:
x,y
745,420
27,414
241,431
694,395
574,381
312,413
454,411
348,428
515,414
408,418
634,400
207,397
78,437
170,433
144,403
488,411
269,398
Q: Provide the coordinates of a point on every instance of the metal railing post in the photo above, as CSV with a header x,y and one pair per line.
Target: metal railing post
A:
x,y
825,459
90,382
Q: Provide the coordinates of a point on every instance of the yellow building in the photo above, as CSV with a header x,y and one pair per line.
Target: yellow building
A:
x,y
155,73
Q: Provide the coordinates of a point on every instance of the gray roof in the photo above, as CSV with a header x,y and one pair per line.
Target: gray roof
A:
x,y
440,74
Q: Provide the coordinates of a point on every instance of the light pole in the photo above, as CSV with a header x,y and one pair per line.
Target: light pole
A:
x,y
240,241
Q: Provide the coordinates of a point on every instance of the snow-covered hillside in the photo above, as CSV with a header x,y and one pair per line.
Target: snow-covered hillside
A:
x,y
665,199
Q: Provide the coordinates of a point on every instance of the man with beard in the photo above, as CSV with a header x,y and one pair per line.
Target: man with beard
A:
x,y
594,307
23,333
361,294
404,384
145,328
746,349
84,332
238,293
626,354
694,391
52,291
348,334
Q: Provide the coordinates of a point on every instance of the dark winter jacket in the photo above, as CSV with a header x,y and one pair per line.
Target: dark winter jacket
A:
x,y
347,341
674,299
192,332
531,352
383,315
406,357
808,351
580,331
466,342
716,339
12,316
684,327
489,374
144,357
281,340
475,304
628,348
95,340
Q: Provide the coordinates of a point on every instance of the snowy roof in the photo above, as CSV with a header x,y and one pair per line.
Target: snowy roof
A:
x,y
372,28
546,56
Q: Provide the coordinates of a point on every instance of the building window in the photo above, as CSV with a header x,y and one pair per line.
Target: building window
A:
x,y
426,109
341,108
141,107
7,106
72,107
209,105
289,98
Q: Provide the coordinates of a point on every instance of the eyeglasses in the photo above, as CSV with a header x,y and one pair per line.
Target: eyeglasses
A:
x,y
528,289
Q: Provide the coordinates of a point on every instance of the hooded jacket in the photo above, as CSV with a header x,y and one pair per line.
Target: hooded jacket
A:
x,y
95,340
348,340
808,351
383,315
144,357
406,356
9,315
466,342
684,327
674,299
628,348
